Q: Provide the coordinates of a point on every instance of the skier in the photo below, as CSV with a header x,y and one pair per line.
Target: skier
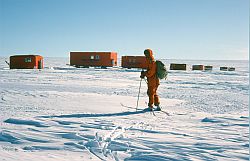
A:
x,y
152,79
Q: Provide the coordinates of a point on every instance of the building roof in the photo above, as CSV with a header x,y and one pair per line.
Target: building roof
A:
x,y
23,55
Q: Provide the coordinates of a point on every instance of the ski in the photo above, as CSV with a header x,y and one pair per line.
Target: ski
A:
x,y
144,109
152,111
130,107
165,112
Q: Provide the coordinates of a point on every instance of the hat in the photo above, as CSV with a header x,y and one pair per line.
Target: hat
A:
x,y
149,54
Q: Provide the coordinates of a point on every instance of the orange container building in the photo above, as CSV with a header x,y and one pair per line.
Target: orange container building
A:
x,y
134,62
93,59
26,62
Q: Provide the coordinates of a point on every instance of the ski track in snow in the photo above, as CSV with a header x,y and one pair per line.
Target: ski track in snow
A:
x,y
60,112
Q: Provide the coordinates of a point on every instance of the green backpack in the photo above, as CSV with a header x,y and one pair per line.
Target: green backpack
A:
x,y
161,70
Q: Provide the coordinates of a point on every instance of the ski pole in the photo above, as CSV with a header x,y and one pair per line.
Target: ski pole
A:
x,y
138,95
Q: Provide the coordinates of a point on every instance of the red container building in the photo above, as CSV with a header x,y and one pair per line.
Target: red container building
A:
x,y
93,59
26,62
134,62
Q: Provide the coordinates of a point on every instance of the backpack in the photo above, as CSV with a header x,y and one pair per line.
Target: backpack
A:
x,y
161,71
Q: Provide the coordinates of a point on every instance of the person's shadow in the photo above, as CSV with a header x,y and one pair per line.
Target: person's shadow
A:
x,y
97,115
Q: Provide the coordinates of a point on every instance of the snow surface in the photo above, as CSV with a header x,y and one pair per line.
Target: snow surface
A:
x,y
63,113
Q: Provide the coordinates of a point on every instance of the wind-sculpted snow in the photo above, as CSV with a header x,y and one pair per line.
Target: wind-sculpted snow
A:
x,y
161,137
64,113
210,120
24,122
6,136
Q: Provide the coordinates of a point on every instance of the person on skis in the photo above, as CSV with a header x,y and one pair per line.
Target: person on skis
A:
x,y
152,79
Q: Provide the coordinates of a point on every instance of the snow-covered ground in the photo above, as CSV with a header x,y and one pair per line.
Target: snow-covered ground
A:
x,y
63,113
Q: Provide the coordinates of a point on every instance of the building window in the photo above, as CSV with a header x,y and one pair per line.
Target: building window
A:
x,y
97,57
27,60
92,57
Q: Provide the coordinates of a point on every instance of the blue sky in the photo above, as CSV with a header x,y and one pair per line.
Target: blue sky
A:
x,y
174,29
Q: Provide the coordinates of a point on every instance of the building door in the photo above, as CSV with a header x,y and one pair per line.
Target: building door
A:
x,y
40,64
112,62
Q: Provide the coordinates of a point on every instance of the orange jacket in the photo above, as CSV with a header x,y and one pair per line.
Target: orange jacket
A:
x,y
153,80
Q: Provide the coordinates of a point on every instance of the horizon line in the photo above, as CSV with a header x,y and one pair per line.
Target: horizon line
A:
x,y
158,58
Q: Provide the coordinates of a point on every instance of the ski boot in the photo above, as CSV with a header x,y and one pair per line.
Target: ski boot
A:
x,y
158,108
149,108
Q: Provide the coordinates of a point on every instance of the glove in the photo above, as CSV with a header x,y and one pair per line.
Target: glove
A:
x,y
143,74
